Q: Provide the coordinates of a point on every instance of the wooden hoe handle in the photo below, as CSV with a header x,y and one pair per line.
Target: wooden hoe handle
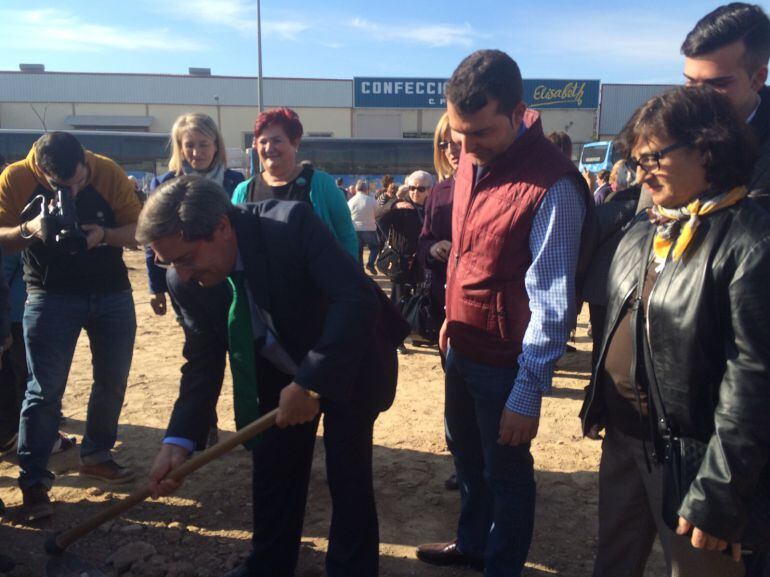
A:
x,y
58,543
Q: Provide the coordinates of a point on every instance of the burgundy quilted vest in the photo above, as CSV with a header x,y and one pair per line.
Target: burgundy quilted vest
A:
x,y
486,301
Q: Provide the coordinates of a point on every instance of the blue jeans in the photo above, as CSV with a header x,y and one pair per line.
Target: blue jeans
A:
x,y
497,483
52,324
370,239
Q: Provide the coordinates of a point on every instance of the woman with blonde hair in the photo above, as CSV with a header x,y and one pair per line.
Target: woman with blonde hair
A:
x,y
197,148
446,152
436,237
435,242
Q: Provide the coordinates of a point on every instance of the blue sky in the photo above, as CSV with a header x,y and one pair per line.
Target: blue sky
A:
x,y
612,41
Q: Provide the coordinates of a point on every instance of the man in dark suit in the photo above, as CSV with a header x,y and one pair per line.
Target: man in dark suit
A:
x,y
728,49
324,340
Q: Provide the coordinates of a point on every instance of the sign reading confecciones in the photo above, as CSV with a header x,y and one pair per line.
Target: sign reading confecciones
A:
x,y
429,93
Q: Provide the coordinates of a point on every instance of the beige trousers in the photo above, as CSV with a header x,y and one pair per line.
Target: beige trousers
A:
x,y
630,518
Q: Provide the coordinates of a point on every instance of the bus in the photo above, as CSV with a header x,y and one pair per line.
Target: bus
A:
x,y
363,158
598,156
147,152
134,151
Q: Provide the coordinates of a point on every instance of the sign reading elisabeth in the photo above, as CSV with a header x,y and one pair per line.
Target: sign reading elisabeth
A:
x,y
429,93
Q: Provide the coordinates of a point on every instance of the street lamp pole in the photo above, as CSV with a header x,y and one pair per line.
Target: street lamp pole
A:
x,y
259,58
256,164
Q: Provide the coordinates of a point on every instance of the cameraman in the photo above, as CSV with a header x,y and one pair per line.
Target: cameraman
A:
x,y
70,287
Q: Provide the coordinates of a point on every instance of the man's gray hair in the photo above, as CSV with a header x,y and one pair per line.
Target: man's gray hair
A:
x,y
361,186
624,177
189,206
420,175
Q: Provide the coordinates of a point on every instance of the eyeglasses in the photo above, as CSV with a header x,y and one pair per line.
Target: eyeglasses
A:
x,y
444,144
650,161
417,188
185,261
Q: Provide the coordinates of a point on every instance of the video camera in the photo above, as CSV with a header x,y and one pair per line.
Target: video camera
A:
x,y
60,225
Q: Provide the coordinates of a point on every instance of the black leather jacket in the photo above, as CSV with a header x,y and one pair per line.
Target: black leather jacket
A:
x,y
759,185
709,332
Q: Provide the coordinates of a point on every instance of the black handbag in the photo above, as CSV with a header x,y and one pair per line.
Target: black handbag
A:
x,y
417,309
682,458
388,260
394,265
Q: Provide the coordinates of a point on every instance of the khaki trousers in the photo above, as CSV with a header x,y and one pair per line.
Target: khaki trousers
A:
x,y
630,518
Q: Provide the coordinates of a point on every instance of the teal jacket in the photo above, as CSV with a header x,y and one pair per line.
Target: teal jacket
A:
x,y
329,204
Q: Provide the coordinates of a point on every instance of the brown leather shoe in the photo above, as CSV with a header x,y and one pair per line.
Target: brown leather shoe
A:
x,y
447,554
108,471
37,505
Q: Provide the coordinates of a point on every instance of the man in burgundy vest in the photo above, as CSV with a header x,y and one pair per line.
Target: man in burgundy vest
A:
x,y
518,211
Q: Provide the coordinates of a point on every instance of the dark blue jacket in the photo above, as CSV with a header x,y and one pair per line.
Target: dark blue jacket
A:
x,y
336,324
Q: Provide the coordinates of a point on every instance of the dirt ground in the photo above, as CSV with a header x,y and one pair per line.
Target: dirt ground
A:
x,y
205,529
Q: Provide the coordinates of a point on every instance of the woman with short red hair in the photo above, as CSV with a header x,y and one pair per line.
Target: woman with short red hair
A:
x,y
277,134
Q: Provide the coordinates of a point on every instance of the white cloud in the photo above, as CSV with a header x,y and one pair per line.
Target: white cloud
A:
x,y
286,29
433,35
64,31
240,15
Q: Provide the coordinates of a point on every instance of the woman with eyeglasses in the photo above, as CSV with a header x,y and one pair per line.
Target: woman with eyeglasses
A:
x,y
277,136
435,241
682,381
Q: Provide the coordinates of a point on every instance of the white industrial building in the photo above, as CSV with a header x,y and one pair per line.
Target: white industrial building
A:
x,y
342,116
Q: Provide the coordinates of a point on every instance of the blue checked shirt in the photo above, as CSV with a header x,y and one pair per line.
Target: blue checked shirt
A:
x,y
550,283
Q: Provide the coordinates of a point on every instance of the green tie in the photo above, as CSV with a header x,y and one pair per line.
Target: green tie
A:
x,y
242,355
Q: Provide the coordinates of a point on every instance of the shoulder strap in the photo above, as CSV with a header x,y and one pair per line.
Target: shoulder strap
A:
x,y
250,186
641,332
390,240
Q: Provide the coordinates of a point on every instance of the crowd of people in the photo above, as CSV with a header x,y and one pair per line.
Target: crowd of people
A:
x,y
490,259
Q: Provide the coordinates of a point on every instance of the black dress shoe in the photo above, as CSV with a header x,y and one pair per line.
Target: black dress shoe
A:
x,y
451,483
447,554
240,571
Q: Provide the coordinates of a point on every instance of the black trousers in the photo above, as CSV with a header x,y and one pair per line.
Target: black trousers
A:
x,y
281,474
180,322
13,384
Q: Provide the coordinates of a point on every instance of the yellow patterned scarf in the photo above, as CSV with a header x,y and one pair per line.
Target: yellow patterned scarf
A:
x,y
668,219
